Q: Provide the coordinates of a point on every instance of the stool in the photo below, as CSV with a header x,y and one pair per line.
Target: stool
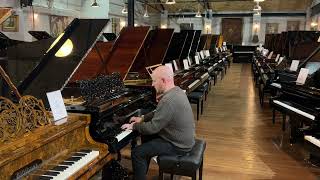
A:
x,y
196,98
204,88
186,165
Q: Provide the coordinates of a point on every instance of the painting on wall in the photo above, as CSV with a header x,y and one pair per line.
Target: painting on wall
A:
x,y
11,24
58,24
272,28
293,25
232,30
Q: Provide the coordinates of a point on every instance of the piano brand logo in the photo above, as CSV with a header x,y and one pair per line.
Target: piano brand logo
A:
x,y
20,173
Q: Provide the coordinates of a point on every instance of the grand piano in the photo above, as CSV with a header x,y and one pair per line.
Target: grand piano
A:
x,y
300,102
35,148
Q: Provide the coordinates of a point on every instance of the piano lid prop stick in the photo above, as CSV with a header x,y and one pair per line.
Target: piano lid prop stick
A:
x,y
9,82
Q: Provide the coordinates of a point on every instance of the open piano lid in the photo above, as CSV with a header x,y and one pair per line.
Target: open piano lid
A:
x,y
176,46
39,35
53,73
187,45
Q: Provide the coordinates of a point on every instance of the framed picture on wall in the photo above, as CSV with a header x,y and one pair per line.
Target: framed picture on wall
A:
x,y
58,24
293,25
272,28
11,24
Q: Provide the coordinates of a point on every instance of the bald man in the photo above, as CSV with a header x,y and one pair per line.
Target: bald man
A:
x,y
172,122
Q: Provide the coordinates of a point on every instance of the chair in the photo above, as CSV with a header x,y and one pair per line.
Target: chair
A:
x,y
197,98
186,165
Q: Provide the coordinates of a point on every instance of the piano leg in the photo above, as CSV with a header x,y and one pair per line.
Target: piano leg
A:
x,y
273,116
294,129
284,116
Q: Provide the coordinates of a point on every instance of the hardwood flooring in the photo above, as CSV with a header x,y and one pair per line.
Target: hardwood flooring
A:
x,y
242,142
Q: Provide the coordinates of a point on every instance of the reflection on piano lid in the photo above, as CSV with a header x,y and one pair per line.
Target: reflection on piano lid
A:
x,y
47,76
187,45
39,35
176,46
195,43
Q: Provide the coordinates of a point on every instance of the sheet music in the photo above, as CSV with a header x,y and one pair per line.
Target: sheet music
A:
x,y
170,66
207,53
196,58
277,58
185,64
217,49
175,65
294,65
224,43
270,55
57,105
303,74
280,60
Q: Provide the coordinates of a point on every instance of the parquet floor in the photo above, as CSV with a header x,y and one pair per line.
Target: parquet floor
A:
x,y
242,142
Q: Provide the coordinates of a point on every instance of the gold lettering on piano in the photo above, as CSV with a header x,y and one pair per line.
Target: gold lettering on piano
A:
x,y
19,119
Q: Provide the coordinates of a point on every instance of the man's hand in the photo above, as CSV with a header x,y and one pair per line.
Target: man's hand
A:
x,y
127,126
135,119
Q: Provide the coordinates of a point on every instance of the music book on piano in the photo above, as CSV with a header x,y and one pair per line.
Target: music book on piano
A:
x,y
185,64
294,65
303,74
57,106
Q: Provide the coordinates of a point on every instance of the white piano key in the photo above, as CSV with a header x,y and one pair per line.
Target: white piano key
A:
x,y
307,115
312,140
123,134
77,166
192,84
277,85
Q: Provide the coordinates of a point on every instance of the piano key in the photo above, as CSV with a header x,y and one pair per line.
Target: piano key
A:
x,y
205,75
312,140
44,177
194,83
67,163
123,134
73,168
277,85
307,115
59,168
74,159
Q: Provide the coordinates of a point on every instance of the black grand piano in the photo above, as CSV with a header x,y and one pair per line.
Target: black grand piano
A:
x,y
102,93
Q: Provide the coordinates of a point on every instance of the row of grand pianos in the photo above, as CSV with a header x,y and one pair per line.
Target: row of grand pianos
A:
x,y
103,84
287,68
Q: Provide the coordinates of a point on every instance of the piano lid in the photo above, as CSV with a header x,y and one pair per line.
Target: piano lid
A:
x,y
110,36
125,50
153,49
176,46
187,45
195,43
202,42
39,35
52,73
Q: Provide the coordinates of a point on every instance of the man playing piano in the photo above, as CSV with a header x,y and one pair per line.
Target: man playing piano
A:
x,y
172,123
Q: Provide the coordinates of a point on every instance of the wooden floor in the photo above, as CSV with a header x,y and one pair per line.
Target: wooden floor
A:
x,y
242,142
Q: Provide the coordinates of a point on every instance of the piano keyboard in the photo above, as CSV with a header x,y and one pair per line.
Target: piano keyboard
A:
x,y
215,64
205,75
312,140
307,115
220,61
123,134
194,83
70,166
210,69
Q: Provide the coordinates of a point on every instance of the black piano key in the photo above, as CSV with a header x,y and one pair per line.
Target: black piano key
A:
x,y
79,154
73,159
44,178
50,173
60,168
67,163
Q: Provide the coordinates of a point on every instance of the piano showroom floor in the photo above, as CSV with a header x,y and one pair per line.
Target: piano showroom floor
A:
x,y
242,142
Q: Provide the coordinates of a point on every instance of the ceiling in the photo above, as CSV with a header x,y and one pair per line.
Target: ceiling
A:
x,y
227,5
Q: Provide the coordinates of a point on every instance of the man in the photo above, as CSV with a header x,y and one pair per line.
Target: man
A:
x,y
173,123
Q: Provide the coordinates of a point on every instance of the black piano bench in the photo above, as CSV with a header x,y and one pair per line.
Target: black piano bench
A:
x,y
197,98
186,165
204,88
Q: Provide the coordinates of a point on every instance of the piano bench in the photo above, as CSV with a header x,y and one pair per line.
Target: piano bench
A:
x,y
186,165
214,75
197,98
204,88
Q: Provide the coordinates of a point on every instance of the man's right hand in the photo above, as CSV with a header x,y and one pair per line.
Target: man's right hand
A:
x,y
135,119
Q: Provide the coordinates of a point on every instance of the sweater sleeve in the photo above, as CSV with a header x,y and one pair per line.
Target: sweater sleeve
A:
x,y
161,118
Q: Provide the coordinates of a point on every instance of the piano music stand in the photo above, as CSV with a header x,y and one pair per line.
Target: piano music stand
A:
x,y
150,69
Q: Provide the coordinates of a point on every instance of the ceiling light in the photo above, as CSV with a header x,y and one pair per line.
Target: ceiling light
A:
x,y
257,8
124,10
314,24
95,4
198,15
170,2
258,0
146,14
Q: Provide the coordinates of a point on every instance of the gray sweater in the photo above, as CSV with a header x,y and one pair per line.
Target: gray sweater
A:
x,y
173,120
